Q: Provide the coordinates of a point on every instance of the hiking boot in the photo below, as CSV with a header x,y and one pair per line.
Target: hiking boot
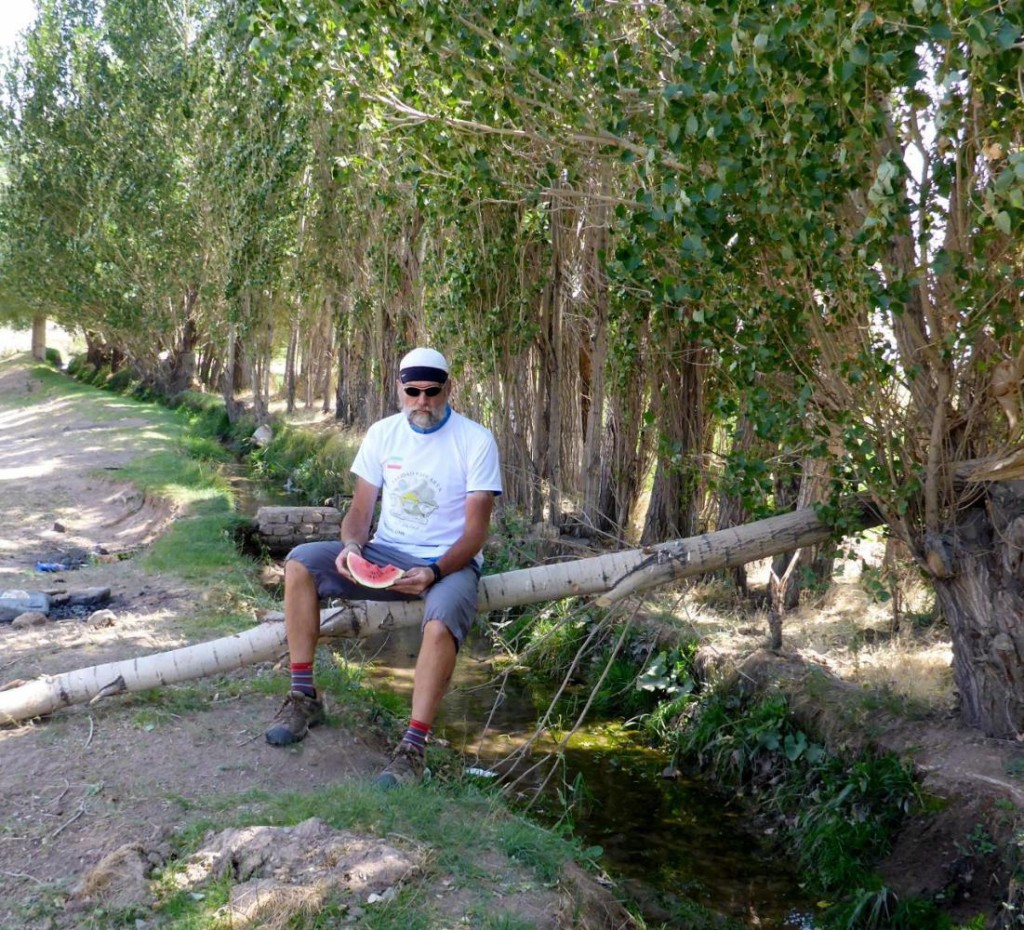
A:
x,y
408,766
298,713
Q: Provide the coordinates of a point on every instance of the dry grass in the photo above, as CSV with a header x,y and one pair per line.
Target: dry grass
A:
x,y
847,629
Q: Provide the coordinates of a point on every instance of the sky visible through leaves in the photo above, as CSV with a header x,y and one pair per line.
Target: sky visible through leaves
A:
x,y
15,18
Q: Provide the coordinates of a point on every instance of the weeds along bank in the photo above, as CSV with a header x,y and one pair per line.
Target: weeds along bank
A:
x,y
799,751
841,801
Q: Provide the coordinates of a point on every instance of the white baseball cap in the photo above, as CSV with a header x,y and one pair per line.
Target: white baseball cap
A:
x,y
423,365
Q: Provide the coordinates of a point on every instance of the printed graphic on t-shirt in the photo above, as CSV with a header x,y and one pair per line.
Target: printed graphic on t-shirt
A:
x,y
415,499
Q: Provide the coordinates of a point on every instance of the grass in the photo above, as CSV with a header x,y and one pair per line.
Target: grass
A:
x,y
847,623
453,829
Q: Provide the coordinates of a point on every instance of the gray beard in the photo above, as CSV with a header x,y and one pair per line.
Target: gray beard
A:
x,y
424,419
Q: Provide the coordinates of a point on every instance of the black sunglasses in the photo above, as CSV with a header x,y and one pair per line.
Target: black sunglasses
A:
x,y
430,391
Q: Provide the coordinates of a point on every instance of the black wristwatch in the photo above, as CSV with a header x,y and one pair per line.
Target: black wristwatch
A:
x,y
436,569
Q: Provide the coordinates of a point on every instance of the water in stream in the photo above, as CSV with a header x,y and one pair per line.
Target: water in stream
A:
x,y
675,837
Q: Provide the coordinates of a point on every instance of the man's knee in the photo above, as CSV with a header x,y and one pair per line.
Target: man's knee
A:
x,y
437,632
295,573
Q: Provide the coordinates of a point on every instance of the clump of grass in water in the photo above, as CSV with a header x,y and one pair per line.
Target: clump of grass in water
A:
x,y
841,814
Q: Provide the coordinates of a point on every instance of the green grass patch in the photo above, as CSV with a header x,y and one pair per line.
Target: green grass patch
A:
x,y
459,825
839,814
317,465
172,474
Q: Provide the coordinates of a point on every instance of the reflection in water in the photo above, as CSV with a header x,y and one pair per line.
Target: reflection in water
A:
x,y
675,837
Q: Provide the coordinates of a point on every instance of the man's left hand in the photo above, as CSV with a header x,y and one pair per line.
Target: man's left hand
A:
x,y
415,581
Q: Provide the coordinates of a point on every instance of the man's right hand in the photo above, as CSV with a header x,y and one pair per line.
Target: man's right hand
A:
x,y
341,562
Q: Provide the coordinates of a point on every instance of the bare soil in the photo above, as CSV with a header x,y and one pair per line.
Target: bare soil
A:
x,y
110,783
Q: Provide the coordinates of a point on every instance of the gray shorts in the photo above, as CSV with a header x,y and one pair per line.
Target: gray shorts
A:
x,y
452,600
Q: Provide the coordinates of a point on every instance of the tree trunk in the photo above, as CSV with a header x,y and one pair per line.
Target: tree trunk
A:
x,y
555,363
618,573
983,601
289,366
732,511
182,368
327,362
676,495
39,337
596,473
228,384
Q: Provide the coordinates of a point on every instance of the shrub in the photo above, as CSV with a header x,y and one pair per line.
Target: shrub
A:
x,y
53,358
79,368
314,465
99,376
840,814
121,381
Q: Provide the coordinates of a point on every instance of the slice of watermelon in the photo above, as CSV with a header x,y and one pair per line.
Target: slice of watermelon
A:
x,y
370,575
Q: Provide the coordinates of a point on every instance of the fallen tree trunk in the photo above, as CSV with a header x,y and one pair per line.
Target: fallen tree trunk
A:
x,y
615,575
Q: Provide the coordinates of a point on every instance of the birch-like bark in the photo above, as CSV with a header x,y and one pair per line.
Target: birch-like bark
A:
x,y
617,575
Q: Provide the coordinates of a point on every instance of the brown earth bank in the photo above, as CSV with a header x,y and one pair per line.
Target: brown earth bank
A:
x,y
963,847
122,777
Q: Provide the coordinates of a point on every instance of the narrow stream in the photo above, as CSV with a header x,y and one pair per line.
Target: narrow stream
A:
x,y
674,837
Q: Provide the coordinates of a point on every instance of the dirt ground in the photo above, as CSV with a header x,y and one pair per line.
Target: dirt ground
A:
x,y
92,781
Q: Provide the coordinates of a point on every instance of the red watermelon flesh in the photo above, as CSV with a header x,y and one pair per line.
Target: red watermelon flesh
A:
x,y
370,575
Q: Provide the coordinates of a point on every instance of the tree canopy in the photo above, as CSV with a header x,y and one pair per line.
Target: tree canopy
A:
x,y
692,262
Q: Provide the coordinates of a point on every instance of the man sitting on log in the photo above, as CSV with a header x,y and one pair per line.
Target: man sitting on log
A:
x,y
438,474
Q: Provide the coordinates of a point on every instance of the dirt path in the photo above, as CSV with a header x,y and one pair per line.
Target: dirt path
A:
x,y
91,779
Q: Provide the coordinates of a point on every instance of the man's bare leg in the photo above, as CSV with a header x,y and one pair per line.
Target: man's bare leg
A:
x,y
302,708
301,612
433,673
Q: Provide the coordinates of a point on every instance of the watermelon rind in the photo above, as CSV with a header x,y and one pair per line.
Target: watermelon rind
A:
x,y
371,575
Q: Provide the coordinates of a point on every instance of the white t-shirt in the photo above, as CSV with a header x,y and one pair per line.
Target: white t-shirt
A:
x,y
425,478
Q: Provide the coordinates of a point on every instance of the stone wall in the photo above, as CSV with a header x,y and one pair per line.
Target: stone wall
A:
x,y
281,528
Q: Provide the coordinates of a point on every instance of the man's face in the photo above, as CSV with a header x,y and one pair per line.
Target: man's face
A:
x,y
422,410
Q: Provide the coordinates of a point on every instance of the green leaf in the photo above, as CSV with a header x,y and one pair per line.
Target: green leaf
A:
x,y
860,54
865,19
1002,221
1008,35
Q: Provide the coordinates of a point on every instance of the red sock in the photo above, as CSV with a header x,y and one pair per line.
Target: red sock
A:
x,y
416,735
302,678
